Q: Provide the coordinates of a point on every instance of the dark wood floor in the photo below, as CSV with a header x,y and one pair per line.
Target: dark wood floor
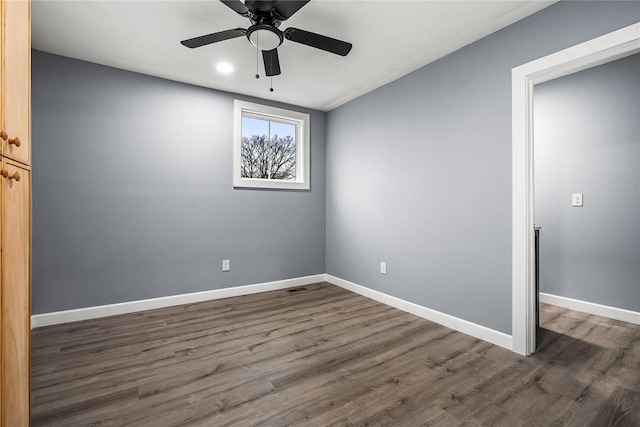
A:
x,y
325,356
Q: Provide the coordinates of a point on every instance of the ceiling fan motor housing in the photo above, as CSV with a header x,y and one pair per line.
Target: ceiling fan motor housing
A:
x,y
264,36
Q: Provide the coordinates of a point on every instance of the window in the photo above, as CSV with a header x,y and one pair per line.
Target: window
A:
x,y
271,147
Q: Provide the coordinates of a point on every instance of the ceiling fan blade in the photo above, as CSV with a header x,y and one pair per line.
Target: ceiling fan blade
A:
x,y
214,37
286,8
271,62
237,6
318,41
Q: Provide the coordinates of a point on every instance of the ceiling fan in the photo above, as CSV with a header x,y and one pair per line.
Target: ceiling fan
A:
x,y
266,16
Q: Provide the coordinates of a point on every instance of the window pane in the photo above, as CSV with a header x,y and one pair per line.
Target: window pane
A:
x,y
251,126
283,142
268,149
283,129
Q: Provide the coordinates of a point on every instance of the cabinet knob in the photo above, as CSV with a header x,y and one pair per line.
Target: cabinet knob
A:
x,y
15,175
12,141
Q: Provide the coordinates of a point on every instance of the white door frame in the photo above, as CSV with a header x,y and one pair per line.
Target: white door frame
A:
x,y
607,48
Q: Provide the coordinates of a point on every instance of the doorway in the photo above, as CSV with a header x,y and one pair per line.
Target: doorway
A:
x,y
607,48
587,177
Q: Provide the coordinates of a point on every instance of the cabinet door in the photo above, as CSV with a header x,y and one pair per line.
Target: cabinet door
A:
x,y
1,90
1,148
1,305
16,237
16,75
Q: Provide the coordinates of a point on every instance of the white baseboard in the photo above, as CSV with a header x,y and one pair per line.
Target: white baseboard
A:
x,y
478,331
592,308
54,318
490,335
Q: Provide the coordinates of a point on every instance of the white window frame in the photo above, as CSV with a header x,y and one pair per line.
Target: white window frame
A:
x,y
265,112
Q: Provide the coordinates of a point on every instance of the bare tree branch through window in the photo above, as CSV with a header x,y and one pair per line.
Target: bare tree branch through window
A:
x,y
268,158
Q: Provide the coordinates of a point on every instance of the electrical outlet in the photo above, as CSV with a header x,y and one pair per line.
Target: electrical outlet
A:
x,y
226,265
383,268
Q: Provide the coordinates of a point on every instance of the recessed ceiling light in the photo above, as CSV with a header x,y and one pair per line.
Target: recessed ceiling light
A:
x,y
224,68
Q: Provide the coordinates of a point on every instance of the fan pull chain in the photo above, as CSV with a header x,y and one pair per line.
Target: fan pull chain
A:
x,y
257,54
271,62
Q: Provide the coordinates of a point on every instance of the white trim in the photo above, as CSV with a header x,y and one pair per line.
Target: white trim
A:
x,y
478,331
302,123
592,308
54,318
609,47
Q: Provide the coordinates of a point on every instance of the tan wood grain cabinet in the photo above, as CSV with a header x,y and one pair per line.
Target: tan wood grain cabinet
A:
x,y
15,212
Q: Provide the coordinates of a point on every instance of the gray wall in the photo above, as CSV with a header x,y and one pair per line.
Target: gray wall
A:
x,y
587,140
419,171
133,197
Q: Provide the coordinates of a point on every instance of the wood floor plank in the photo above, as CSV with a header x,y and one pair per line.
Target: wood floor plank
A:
x,y
621,408
323,356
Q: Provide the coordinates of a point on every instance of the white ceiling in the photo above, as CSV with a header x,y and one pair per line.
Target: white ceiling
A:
x,y
390,39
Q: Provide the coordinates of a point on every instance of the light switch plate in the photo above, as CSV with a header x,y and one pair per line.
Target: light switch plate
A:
x,y
226,265
383,268
576,200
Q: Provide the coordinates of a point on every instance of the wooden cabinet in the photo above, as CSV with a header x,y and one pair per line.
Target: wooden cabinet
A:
x,y
15,212
16,82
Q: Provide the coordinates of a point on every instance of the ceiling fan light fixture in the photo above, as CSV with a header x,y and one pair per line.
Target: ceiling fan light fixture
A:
x,y
264,37
224,68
